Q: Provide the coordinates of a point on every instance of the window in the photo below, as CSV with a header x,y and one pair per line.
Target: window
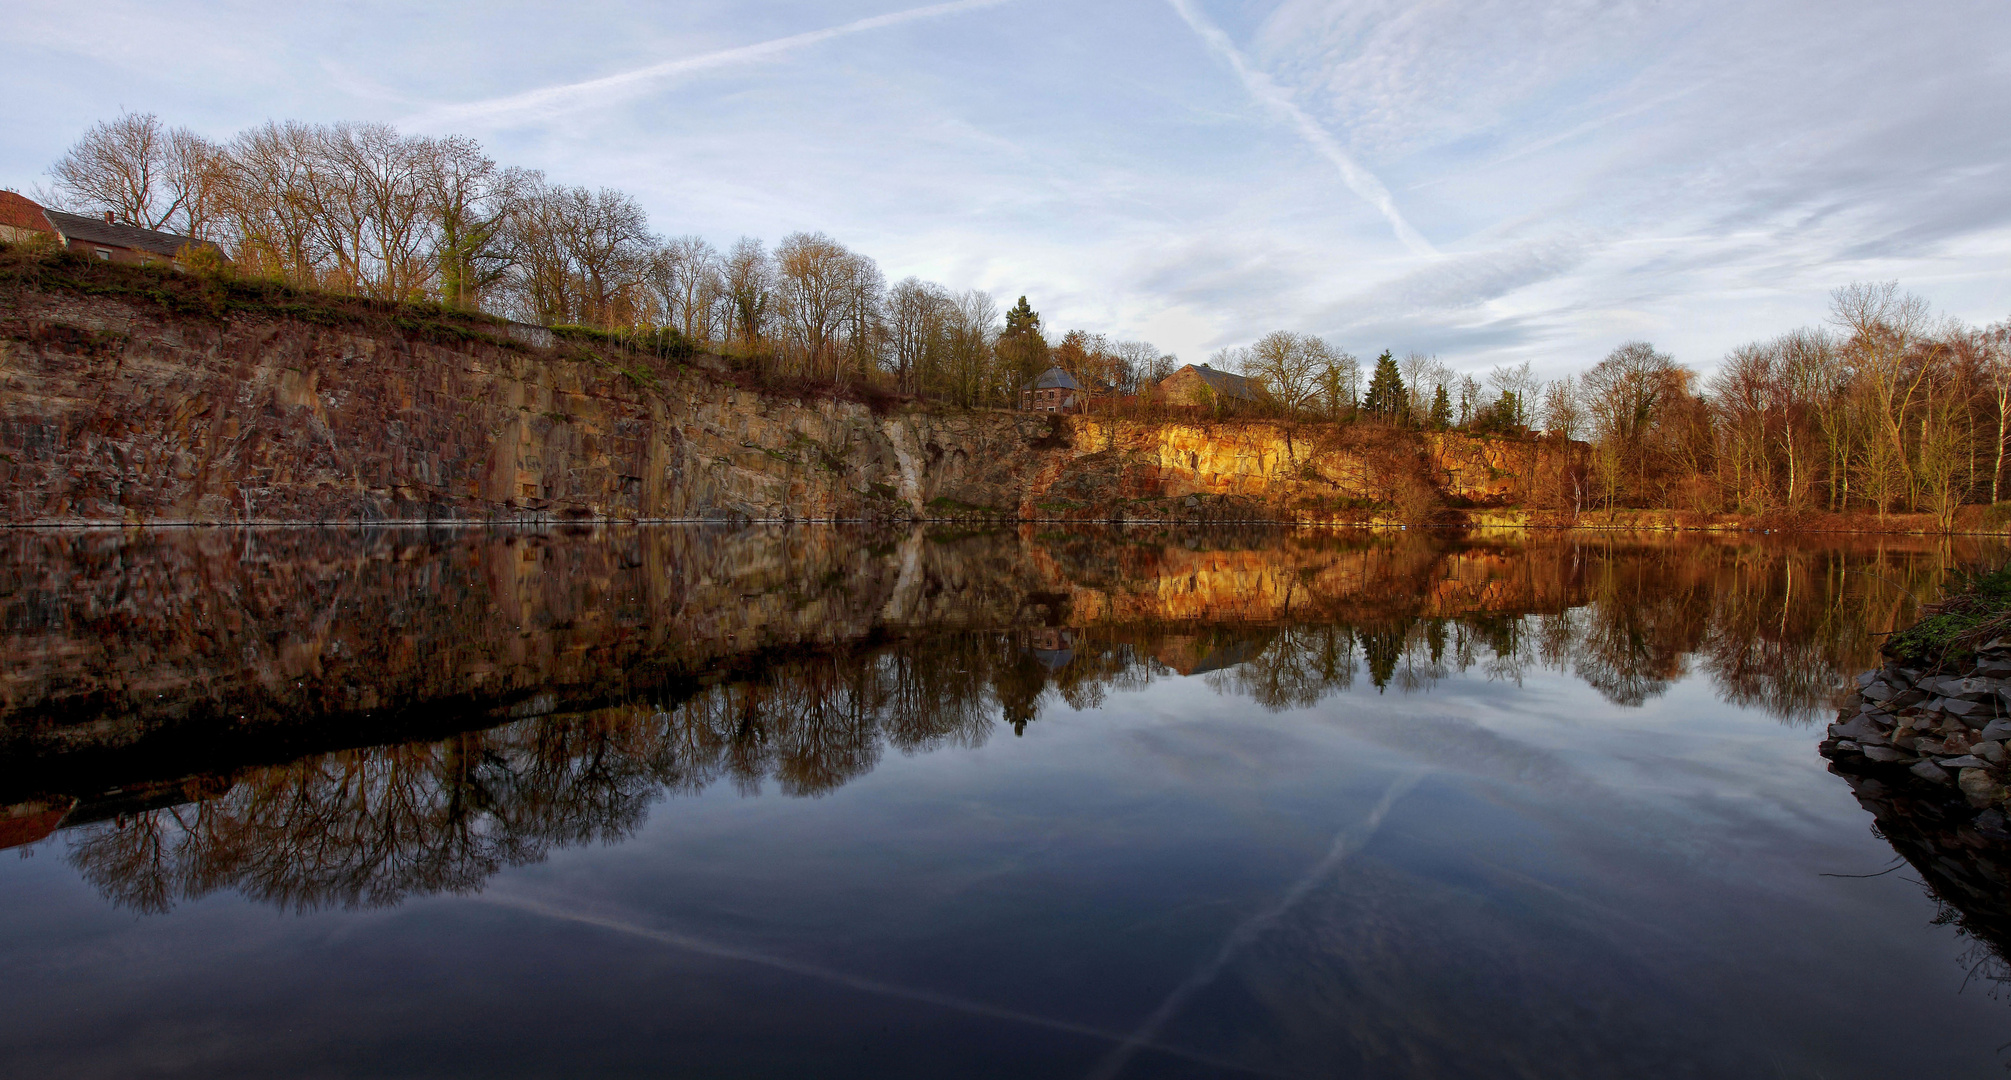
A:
x,y
105,254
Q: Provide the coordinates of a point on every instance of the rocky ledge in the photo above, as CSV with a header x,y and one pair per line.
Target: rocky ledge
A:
x,y
1945,729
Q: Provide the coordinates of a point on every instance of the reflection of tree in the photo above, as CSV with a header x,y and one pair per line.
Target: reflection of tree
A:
x,y
1776,626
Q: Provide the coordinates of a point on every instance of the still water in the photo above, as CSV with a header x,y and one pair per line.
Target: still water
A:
x,y
691,801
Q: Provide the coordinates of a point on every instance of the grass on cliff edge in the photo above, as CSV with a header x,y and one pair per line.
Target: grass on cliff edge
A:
x,y
1951,630
218,296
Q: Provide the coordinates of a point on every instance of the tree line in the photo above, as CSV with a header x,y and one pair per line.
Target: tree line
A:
x,y
1885,408
362,209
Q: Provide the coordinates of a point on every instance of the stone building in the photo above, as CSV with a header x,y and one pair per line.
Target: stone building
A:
x,y
1198,385
1054,391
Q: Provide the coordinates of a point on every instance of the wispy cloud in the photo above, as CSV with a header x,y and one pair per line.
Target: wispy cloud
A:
x,y
1262,87
548,101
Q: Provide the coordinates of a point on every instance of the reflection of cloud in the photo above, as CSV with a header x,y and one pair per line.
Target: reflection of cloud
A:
x,y
1460,746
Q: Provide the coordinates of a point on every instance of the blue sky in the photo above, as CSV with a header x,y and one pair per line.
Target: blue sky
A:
x,y
1490,181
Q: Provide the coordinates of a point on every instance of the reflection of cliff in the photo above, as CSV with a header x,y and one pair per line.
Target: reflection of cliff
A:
x,y
132,640
529,702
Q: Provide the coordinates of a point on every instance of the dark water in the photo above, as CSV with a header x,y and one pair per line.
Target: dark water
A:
x,y
825,802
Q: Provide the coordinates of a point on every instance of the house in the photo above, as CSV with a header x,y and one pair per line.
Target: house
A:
x,y
1203,385
1054,391
22,218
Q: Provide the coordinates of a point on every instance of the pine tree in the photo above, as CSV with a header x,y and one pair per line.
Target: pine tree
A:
x,y
1441,409
1386,397
1021,346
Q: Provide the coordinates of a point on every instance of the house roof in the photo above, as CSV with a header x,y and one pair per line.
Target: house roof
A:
x,y
1223,383
1056,379
21,212
91,230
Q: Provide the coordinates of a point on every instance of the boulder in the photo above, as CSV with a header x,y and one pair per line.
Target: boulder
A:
x,y
1927,770
1981,787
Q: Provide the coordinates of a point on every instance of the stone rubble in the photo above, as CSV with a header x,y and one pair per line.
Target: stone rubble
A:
x,y
1942,728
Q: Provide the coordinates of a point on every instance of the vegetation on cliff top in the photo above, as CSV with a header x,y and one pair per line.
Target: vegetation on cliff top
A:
x,y
221,295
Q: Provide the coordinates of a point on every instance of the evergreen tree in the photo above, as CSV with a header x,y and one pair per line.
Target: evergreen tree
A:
x,y
1386,397
1021,346
1441,409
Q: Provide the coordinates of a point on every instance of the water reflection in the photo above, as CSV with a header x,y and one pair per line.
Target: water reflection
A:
x,y
1963,857
336,718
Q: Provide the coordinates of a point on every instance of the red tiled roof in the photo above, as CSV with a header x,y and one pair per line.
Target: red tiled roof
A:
x,y
22,213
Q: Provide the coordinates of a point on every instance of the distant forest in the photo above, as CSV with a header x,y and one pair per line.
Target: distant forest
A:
x,y
1884,409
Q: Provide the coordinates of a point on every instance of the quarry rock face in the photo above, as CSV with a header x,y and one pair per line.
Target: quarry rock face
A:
x,y
117,412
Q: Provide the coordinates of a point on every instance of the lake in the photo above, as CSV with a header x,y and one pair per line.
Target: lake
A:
x,y
831,801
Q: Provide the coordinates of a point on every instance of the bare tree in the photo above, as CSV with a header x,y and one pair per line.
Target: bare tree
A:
x,y
750,292
1517,386
469,201
813,275
1562,414
1883,326
1996,342
976,374
915,316
1625,395
1143,365
267,203
695,284
143,172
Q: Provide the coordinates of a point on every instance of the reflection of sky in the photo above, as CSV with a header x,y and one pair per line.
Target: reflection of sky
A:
x,y
1570,889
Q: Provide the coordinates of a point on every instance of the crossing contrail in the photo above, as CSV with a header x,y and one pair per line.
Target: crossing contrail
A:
x,y
566,97
952,1002
1260,86
1347,843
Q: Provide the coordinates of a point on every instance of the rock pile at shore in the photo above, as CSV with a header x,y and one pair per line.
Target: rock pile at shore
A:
x,y
1948,729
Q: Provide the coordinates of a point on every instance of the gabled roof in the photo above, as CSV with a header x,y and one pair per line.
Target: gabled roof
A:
x,y
21,212
111,234
1224,383
1055,378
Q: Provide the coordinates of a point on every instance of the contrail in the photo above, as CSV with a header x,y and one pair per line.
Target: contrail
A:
x,y
1359,180
855,982
555,99
1347,843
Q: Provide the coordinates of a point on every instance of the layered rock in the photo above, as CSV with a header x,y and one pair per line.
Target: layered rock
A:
x,y
117,411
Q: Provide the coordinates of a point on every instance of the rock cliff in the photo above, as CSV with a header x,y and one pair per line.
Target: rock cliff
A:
x,y
119,409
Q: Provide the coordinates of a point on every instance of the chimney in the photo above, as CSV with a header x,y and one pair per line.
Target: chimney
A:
x,y
108,217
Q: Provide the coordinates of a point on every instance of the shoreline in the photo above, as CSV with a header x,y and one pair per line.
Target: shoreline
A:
x,y
546,521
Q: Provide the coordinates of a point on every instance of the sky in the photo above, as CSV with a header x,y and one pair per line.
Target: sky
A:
x,y
1491,182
